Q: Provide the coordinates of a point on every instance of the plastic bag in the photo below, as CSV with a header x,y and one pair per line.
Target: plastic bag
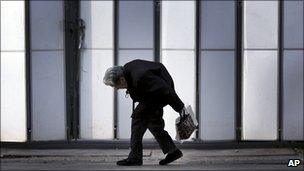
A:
x,y
185,125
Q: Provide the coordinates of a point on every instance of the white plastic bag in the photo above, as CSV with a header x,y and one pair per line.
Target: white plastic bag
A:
x,y
186,125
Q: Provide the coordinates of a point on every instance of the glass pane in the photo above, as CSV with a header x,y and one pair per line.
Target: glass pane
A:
x,y
260,24
178,24
218,24
217,97
13,96
293,95
293,24
98,17
12,25
96,99
136,24
125,104
260,89
181,66
47,24
48,95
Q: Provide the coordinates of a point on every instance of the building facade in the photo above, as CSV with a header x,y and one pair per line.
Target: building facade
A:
x,y
239,64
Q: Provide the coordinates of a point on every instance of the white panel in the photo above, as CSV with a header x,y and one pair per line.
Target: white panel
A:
x,y
47,24
136,24
217,95
124,106
293,95
96,99
13,97
48,96
98,17
260,95
181,66
12,25
293,24
178,24
218,24
260,24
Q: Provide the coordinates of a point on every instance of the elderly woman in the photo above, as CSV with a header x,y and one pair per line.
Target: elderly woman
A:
x,y
150,84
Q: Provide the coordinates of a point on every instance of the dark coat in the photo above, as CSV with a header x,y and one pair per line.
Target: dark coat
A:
x,y
150,84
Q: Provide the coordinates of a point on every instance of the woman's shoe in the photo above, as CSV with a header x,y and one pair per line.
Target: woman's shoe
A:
x,y
171,157
129,162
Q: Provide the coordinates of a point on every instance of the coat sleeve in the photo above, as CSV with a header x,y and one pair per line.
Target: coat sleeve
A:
x,y
158,89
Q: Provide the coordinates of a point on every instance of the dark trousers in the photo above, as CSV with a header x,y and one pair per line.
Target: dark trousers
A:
x,y
156,126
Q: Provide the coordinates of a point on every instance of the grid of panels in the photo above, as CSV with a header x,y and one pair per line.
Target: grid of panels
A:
x,y
260,54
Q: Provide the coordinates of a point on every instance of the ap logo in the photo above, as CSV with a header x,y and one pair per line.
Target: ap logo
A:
x,y
293,162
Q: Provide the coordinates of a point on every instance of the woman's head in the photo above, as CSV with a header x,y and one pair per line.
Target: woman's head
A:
x,y
114,77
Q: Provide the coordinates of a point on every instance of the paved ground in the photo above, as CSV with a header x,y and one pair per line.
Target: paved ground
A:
x,y
91,159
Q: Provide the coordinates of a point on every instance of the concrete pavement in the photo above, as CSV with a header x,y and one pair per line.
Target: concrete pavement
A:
x,y
99,159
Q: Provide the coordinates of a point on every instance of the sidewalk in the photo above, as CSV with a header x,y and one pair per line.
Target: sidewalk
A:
x,y
91,159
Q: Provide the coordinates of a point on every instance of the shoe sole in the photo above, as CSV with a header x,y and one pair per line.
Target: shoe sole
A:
x,y
173,159
129,164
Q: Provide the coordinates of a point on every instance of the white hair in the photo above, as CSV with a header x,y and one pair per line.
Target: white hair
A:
x,y
112,75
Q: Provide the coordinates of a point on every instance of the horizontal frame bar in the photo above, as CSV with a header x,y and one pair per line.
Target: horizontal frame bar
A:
x,y
177,49
217,49
98,48
292,48
261,49
135,49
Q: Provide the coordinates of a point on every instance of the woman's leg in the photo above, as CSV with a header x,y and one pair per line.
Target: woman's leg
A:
x,y
156,126
138,129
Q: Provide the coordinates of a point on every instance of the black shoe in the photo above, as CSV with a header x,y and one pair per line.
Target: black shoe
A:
x,y
129,162
171,157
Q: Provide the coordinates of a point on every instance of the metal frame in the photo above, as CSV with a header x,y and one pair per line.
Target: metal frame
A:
x,y
238,68
280,69
115,36
72,63
28,71
157,29
198,61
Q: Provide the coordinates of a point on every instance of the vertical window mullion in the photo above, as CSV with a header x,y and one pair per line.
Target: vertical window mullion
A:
x,y
157,28
280,68
198,58
28,71
72,68
116,38
238,87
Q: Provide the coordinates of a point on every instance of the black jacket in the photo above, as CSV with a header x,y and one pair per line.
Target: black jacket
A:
x,y
150,84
